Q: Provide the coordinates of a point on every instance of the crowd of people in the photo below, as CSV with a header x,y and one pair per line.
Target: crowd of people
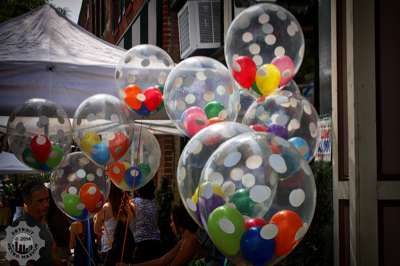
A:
x,y
124,232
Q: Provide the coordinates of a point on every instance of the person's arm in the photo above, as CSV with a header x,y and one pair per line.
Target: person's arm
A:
x,y
164,260
190,246
99,221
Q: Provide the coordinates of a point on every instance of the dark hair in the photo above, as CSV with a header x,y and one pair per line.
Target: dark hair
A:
x,y
182,219
29,187
147,191
114,198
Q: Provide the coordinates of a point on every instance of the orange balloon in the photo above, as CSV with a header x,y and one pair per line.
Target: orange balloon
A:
x,y
116,171
288,223
130,98
91,196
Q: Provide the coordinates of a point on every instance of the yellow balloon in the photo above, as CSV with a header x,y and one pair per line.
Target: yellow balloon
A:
x,y
89,139
268,78
216,189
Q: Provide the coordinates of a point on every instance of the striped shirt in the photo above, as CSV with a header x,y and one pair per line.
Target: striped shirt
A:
x,y
144,226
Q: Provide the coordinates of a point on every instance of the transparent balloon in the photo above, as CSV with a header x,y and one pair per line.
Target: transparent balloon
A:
x,y
101,128
39,134
199,91
289,116
195,155
246,100
79,187
264,48
140,77
139,165
259,198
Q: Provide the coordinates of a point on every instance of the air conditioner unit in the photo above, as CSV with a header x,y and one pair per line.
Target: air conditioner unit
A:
x,y
199,26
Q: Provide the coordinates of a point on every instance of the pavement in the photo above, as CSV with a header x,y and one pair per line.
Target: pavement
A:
x,y
3,244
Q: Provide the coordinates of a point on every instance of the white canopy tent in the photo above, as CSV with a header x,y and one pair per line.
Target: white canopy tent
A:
x,y
45,55
9,164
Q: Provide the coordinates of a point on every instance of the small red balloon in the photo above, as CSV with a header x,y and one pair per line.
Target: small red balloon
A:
x,y
90,195
153,99
194,122
118,145
41,148
288,223
244,71
131,96
254,222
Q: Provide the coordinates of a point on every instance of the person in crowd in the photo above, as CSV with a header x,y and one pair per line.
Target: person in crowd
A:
x,y
85,252
188,250
144,227
36,204
110,223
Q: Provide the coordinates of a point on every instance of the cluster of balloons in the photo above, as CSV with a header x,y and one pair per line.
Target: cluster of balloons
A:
x,y
264,48
199,92
139,164
40,134
140,77
79,187
256,198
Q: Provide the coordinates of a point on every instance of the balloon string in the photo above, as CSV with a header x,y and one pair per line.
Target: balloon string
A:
x,y
84,249
125,235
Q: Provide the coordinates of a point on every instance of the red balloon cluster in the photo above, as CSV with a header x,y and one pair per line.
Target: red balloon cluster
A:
x,y
144,101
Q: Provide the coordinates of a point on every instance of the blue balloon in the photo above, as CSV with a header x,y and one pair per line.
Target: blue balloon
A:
x,y
143,111
100,153
292,163
133,176
256,249
302,146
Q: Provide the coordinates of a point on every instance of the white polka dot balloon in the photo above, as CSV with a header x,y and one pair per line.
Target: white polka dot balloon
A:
x,y
101,128
140,77
288,115
193,158
39,134
268,199
139,165
264,47
200,91
79,187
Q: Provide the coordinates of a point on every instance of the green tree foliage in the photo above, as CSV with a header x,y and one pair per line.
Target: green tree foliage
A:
x,y
14,8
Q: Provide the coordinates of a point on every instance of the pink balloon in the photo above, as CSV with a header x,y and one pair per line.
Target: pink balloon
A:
x,y
194,120
286,67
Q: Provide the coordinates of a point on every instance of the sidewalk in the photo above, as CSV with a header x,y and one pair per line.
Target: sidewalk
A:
x,y
3,244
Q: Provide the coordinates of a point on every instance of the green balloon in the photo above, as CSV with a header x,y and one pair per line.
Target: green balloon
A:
x,y
71,202
161,88
55,157
226,226
255,88
144,169
213,108
29,159
243,202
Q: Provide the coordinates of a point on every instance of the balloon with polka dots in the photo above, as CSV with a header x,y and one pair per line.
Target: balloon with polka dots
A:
x,y
140,75
268,198
264,48
101,128
39,134
288,115
79,187
140,164
199,92
192,160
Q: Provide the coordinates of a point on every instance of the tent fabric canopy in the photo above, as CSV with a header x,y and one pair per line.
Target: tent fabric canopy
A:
x,y
9,164
45,55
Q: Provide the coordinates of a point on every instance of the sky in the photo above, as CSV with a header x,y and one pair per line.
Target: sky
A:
x,y
73,6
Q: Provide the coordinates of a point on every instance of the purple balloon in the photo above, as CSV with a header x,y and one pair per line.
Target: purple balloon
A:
x,y
207,206
278,130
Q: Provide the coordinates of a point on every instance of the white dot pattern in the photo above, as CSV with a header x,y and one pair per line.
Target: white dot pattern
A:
x,y
232,159
254,162
260,193
226,226
277,163
269,231
279,51
297,197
